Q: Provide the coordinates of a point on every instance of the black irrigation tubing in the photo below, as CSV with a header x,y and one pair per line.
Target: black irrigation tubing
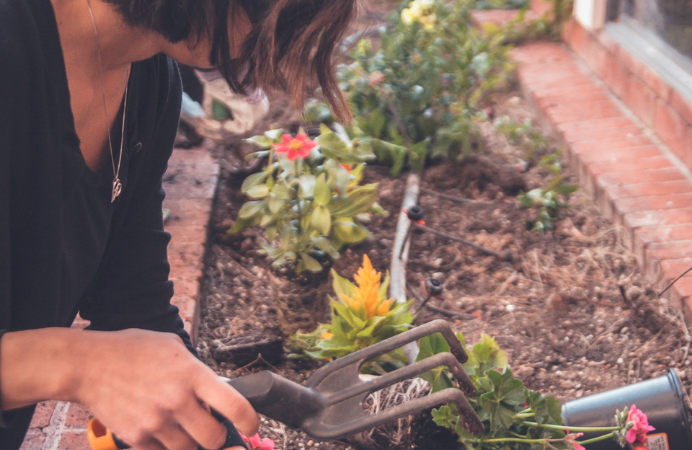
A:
x,y
433,288
674,281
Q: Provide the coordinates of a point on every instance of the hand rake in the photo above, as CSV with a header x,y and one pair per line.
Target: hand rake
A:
x,y
330,404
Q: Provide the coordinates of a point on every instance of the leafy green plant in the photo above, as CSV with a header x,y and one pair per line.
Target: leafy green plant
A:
x,y
547,201
416,95
361,316
515,417
308,198
522,134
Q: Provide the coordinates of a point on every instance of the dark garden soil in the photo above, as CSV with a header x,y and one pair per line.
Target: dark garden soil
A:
x,y
557,308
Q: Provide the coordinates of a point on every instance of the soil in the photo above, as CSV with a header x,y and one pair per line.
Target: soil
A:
x,y
571,308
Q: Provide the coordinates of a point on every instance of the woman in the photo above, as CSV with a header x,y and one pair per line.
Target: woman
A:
x,y
89,104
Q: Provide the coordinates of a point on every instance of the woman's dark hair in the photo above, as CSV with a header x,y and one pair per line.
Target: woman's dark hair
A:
x,y
291,41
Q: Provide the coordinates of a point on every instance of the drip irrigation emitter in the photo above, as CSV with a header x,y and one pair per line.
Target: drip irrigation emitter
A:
x,y
415,215
433,288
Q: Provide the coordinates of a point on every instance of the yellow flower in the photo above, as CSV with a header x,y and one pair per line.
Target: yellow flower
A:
x,y
428,22
407,16
366,294
327,335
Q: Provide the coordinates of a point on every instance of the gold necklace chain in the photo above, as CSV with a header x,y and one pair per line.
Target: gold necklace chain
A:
x,y
117,184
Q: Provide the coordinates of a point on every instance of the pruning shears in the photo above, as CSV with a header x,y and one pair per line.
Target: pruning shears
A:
x,y
330,404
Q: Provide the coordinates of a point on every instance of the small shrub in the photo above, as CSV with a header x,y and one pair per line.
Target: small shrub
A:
x,y
361,316
308,198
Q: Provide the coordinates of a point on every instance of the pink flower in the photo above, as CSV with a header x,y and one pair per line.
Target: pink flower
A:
x,y
295,147
256,443
641,426
577,446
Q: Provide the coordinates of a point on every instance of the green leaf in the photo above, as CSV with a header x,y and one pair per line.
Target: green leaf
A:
x,y
446,416
281,191
307,186
348,232
262,142
249,209
321,220
274,135
342,286
311,263
259,191
253,180
275,204
332,145
359,200
566,189
322,193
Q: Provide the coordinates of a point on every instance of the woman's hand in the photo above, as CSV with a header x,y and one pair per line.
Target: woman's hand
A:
x,y
145,386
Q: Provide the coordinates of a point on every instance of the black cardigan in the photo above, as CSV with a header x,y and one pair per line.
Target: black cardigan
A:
x,y
42,171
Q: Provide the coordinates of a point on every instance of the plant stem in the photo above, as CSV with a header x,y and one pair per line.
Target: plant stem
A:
x,y
597,439
577,429
521,416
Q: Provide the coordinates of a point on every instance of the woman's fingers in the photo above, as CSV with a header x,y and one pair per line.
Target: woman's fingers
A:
x,y
228,402
175,438
202,426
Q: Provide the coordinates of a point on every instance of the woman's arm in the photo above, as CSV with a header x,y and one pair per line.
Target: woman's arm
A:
x,y
145,386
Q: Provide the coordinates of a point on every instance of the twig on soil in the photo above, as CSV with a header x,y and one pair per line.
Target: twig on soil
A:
x,y
538,267
630,369
503,287
247,271
248,317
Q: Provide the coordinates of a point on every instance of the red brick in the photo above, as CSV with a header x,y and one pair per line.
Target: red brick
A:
x,y
190,313
186,287
598,134
634,144
613,73
665,233
539,52
641,100
687,159
575,80
42,415
593,125
582,112
77,416
584,89
682,105
649,189
34,439
669,250
639,165
613,157
654,203
571,98
643,176
74,441
670,269
671,128
541,7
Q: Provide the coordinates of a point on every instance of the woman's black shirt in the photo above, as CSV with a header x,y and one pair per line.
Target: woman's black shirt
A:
x,y
64,248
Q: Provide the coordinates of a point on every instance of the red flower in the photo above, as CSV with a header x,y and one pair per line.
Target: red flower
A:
x,y
641,425
255,443
295,147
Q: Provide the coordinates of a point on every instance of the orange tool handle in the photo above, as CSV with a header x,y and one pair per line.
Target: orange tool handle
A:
x,y
101,438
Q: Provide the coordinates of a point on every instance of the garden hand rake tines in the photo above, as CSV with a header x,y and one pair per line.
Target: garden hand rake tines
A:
x,y
330,404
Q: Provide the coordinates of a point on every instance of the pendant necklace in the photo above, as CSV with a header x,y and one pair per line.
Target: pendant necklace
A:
x,y
117,185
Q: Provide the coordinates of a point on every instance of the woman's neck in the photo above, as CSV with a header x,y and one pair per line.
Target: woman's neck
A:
x,y
118,44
